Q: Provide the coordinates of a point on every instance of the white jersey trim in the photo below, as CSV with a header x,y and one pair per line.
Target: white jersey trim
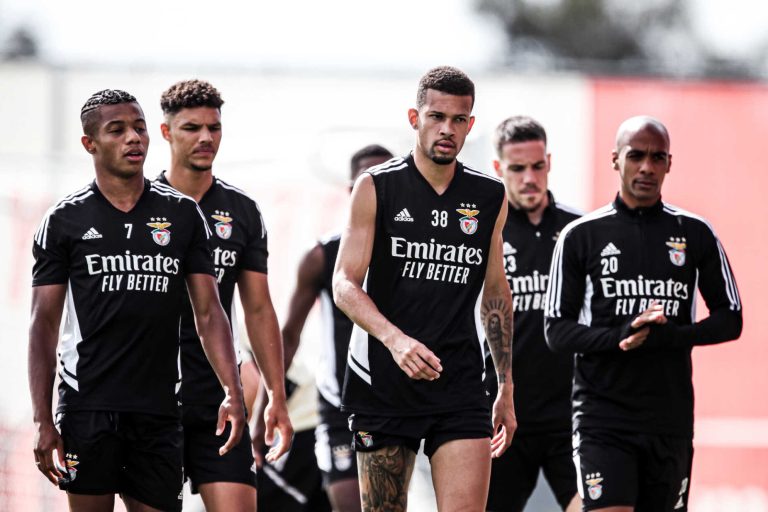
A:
x,y
585,316
240,191
474,172
327,384
234,324
730,283
395,164
41,236
69,338
553,296
479,329
357,355
569,209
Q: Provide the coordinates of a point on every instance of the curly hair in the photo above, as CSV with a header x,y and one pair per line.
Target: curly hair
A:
x,y
446,79
518,129
190,94
88,117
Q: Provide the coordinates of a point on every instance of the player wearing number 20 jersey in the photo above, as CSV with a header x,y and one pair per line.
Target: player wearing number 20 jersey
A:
x,y
124,273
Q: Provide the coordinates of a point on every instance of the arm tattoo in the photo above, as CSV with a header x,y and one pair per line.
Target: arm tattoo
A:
x,y
496,316
384,476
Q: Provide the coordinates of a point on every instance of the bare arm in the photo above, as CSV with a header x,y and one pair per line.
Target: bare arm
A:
x,y
267,347
308,284
216,337
47,305
413,357
496,314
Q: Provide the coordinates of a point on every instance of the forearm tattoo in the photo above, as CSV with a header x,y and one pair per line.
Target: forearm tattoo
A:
x,y
496,316
384,476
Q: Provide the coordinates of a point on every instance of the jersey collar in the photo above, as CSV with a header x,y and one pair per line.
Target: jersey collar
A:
x,y
639,212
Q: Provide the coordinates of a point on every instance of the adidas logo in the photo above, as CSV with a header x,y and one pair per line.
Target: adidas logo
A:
x,y
91,234
404,216
610,250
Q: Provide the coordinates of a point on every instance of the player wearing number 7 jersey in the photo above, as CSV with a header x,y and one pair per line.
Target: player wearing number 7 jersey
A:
x,y
117,257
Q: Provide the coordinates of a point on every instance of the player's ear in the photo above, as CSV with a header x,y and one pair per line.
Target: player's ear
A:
x,y
471,123
497,168
669,159
413,118
165,130
549,161
87,143
615,160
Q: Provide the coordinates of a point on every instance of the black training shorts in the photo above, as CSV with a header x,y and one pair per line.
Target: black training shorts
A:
x,y
616,468
374,432
139,455
202,462
515,473
333,447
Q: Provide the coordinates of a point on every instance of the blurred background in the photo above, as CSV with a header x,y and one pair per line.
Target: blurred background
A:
x,y
308,83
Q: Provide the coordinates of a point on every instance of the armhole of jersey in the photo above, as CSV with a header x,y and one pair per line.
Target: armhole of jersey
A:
x,y
479,327
357,356
327,384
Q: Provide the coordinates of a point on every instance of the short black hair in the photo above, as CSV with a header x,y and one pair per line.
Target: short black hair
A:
x,y
367,151
88,117
518,129
190,94
446,79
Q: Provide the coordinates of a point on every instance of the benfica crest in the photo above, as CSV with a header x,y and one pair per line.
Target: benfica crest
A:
x,y
160,234
366,438
468,222
677,250
223,227
71,465
594,488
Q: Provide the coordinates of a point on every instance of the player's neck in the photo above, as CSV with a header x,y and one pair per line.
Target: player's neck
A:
x,y
439,176
192,183
122,192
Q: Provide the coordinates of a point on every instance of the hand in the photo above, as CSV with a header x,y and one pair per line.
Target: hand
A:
x,y
504,421
231,411
276,415
414,358
47,439
653,315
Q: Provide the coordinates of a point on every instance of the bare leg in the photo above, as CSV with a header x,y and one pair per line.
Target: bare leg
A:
x,y
345,495
251,379
134,505
461,471
384,476
91,503
575,504
228,496
615,509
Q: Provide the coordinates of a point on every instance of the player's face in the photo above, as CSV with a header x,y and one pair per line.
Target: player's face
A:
x,y
194,135
120,144
443,123
524,167
643,163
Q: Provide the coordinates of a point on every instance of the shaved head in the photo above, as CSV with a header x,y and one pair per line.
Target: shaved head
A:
x,y
635,124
